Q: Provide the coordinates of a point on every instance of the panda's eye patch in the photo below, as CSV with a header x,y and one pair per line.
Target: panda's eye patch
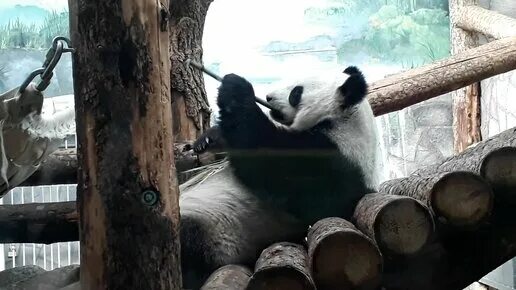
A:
x,y
295,96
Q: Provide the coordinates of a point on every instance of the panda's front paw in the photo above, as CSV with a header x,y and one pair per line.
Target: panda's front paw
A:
x,y
235,92
210,139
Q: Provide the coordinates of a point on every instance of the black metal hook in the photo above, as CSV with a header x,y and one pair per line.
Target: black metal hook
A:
x,y
52,59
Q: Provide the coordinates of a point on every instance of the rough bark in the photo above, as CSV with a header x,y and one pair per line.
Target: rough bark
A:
x,y
341,257
414,86
127,186
490,23
494,159
460,198
282,266
466,100
190,108
399,225
38,222
229,277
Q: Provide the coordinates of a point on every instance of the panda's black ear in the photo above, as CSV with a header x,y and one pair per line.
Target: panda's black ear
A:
x,y
354,88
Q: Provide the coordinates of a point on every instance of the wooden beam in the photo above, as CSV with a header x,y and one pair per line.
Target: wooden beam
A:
x,y
342,257
282,265
59,167
399,225
490,23
417,85
39,222
127,186
228,277
457,198
493,159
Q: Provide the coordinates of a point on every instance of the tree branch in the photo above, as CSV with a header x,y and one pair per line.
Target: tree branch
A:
x,y
490,23
417,85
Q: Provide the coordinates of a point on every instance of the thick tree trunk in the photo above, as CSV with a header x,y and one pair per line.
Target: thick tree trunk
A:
x,y
38,222
229,277
127,186
459,198
341,257
466,101
190,108
414,86
399,225
282,266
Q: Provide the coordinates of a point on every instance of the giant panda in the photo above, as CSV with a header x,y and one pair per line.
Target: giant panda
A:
x,y
313,156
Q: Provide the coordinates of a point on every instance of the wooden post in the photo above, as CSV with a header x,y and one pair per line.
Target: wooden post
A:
x,y
466,101
127,186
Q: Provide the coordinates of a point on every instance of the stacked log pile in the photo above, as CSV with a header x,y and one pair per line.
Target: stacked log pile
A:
x,y
443,227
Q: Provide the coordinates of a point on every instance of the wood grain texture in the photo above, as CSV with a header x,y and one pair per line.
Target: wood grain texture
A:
x,y
399,225
229,277
190,108
121,73
490,23
457,198
341,257
282,265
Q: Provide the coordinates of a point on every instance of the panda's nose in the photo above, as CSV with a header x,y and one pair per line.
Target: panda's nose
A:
x,y
268,98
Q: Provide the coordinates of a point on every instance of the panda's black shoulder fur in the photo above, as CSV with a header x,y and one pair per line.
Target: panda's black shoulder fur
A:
x,y
288,167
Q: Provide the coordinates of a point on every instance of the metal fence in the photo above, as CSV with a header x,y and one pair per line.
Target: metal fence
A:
x,y
51,256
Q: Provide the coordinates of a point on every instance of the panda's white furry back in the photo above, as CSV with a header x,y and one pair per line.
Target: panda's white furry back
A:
x,y
312,157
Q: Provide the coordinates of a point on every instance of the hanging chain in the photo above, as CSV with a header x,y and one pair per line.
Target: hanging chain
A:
x,y
47,70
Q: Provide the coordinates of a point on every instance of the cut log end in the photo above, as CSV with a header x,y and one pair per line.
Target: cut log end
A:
x,y
229,277
462,199
403,226
282,266
499,169
342,257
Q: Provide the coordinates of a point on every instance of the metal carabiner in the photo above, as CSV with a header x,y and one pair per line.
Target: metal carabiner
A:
x,y
51,60
49,69
52,51
30,78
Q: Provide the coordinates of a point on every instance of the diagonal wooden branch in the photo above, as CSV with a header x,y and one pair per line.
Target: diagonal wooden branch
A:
x,y
417,85
490,23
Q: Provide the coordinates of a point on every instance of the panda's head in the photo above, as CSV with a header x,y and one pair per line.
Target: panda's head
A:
x,y
303,104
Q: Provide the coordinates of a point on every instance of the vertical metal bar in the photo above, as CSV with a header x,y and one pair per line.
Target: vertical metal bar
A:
x,y
33,245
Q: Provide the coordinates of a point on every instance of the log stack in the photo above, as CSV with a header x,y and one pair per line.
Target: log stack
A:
x,y
431,230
